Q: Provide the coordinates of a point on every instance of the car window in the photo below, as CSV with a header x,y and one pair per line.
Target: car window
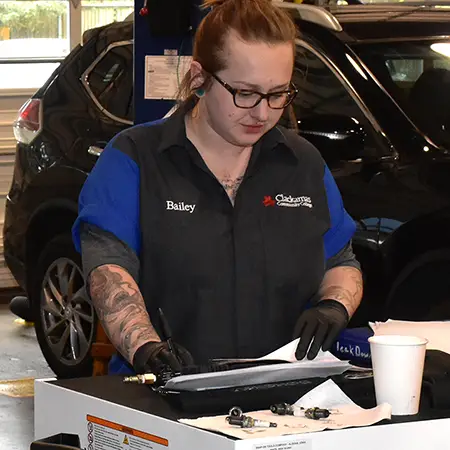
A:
x,y
323,96
320,91
417,75
110,82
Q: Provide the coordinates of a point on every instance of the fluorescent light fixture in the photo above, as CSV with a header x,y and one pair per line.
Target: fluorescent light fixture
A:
x,y
443,48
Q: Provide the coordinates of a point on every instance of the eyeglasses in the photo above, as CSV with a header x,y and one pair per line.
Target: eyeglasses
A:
x,y
247,99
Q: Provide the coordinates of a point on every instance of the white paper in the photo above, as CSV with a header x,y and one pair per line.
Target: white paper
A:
x,y
437,333
326,395
343,415
163,75
287,353
324,365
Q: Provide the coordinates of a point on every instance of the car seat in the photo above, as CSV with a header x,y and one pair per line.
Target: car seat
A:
x,y
377,65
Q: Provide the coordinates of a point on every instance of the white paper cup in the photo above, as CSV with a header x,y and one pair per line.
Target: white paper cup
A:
x,y
398,370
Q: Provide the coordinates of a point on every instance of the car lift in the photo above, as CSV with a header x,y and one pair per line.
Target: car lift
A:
x,y
163,34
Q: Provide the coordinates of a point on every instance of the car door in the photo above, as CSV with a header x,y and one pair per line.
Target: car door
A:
x,y
328,114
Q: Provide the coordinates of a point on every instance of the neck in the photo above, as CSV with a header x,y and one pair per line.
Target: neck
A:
x,y
226,161
207,141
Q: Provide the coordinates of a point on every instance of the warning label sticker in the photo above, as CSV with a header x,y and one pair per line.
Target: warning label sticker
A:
x,y
106,435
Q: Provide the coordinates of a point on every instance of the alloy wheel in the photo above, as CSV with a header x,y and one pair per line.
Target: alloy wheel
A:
x,y
66,311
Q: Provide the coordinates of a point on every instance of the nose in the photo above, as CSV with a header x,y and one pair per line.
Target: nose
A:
x,y
261,111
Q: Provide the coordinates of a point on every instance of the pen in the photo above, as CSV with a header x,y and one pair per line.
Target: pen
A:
x,y
166,332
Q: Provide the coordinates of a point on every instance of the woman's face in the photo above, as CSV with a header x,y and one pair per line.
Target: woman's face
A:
x,y
250,67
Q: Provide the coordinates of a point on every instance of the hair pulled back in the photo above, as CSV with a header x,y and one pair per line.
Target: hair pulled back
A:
x,y
253,20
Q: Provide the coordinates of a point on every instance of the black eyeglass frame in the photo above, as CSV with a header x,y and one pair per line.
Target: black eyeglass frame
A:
x,y
233,91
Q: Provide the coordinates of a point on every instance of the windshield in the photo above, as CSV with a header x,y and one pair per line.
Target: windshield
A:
x,y
417,75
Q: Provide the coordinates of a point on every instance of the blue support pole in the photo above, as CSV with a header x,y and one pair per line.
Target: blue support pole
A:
x,y
145,43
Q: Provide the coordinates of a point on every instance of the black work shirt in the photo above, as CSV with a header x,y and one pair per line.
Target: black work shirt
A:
x,y
232,280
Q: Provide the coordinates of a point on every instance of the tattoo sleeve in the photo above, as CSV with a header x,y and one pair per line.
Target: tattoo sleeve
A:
x,y
121,309
344,284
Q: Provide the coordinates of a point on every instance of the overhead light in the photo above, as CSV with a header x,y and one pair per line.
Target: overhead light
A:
x,y
443,48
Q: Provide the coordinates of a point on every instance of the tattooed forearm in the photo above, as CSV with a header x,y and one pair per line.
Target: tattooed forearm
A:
x,y
231,186
121,309
344,284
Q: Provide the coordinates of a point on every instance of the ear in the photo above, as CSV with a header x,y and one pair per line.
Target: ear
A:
x,y
197,75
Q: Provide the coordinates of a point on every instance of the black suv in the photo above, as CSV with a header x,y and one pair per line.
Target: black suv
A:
x,y
374,86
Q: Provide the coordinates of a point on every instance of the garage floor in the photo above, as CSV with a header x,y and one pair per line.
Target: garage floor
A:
x,y
21,362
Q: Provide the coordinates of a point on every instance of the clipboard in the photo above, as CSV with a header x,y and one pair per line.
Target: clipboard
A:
x,y
259,397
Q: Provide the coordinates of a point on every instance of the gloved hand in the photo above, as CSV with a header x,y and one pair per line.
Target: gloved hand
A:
x,y
155,357
323,323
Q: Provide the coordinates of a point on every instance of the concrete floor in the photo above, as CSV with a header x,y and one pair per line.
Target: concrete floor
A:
x,y
20,359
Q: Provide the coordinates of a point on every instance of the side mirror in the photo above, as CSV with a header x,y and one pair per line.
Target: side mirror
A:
x,y
338,138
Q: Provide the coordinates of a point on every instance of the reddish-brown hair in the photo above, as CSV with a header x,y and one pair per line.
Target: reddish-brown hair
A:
x,y
252,20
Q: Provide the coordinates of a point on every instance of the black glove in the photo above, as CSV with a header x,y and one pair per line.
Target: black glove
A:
x,y
323,323
155,357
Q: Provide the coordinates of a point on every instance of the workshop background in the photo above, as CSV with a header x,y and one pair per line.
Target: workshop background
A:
x,y
35,38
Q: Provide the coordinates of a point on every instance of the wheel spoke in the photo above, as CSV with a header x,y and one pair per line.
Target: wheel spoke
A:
x,y
58,348
49,305
56,294
63,277
71,282
73,340
84,316
53,327
80,296
83,343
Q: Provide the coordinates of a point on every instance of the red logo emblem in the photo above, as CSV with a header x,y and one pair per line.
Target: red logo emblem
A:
x,y
268,201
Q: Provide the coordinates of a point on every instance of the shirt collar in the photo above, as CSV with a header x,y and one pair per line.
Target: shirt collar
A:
x,y
174,134
173,131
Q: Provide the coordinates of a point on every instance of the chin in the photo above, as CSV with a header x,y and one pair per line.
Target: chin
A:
x,y
245,140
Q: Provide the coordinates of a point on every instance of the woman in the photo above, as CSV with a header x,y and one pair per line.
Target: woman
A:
x,y
229,224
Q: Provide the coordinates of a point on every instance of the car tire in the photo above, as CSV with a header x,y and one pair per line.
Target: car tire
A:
x,y
65,320
421,291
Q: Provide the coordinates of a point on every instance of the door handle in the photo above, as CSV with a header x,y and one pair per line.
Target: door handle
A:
x,y
94,150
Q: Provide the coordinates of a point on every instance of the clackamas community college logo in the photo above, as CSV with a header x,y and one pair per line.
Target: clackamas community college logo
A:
x,y
268,201
288,201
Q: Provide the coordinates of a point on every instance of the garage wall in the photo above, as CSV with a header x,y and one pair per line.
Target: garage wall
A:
x,y
10,103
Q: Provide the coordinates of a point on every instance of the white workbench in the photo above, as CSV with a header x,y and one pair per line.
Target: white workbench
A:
x,y
108,415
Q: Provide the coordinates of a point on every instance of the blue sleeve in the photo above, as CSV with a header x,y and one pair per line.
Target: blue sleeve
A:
x,y
342,226
109,198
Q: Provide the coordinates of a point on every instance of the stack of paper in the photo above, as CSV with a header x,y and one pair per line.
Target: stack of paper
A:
x,y
437,333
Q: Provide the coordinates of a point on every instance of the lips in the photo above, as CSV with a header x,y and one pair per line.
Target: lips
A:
x,y
253,128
